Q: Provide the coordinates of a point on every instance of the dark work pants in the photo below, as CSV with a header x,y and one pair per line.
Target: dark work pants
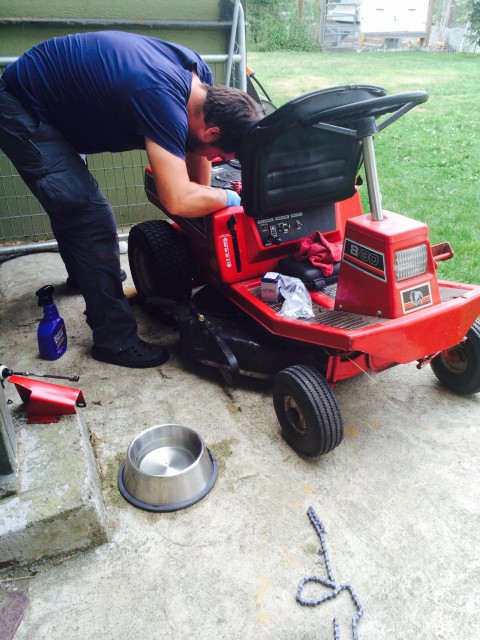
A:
x,y
82,220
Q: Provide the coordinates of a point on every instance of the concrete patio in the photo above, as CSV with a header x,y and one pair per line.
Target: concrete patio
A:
x,y
399,500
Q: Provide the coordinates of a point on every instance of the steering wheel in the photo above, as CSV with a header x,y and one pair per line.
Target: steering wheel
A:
x,y
365,113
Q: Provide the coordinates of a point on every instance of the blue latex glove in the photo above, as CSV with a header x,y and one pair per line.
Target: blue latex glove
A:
x,y
233,199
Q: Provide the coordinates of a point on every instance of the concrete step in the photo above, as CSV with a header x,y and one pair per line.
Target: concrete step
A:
x,y
58,508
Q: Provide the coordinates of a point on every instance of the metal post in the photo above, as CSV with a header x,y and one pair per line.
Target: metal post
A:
x,y
238,29
242,48
8,449
373,185
322,22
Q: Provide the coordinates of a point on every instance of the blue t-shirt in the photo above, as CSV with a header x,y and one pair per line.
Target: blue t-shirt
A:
x,y
108,90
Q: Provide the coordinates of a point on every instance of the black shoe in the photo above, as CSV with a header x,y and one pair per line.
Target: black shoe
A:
x,y
71,283
141,356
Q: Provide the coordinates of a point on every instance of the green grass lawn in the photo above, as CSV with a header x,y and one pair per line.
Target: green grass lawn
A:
x,y
429,160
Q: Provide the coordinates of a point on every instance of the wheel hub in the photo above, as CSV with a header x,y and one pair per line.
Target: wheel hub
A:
x,y
142,271
455,359
294,415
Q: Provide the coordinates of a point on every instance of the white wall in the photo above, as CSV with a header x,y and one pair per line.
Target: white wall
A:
x,y
385,16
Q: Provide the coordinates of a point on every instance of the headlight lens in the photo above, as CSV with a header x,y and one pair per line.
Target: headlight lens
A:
x,y
410,262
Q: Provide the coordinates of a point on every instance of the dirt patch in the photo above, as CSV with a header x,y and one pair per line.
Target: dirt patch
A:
x,y
109,481
222,451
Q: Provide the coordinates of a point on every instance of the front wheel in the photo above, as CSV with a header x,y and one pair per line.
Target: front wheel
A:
x,y
458,368
307,410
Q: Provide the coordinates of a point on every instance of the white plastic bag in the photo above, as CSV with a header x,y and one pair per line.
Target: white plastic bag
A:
x,y
298,303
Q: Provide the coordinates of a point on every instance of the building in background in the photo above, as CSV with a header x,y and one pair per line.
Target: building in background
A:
x,y
376,24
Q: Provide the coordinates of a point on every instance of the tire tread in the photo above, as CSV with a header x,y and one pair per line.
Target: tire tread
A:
x,y
309,384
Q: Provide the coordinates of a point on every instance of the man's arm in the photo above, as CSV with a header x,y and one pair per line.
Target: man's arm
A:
x,y
177,193
199,168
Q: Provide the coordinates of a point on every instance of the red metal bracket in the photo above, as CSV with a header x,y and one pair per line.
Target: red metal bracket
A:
x,y
46,401
442,251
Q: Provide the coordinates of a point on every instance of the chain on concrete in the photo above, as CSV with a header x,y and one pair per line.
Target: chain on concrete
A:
x,y
331,582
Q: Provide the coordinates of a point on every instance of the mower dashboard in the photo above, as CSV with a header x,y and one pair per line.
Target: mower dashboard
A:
x,y
295,226
274,230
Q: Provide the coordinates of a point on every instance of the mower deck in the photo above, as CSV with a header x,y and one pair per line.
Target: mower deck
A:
x,y
400,340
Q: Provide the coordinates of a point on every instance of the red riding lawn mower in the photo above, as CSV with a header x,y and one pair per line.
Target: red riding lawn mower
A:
x,y
379,305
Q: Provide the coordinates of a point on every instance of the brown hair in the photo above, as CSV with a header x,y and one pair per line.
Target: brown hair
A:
x,y
233,111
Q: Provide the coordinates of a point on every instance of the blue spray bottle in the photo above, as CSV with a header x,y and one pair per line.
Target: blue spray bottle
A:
x,y
52,335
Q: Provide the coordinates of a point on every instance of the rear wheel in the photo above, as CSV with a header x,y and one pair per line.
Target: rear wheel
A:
x,y
458,368
160,262
307,410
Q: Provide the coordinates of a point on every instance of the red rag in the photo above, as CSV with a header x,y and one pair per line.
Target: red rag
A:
x,y
321,253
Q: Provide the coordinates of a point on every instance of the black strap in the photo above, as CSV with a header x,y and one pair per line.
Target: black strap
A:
x,y
233,373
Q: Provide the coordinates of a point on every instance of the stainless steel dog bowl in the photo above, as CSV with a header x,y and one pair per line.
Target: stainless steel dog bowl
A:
x,y
167,468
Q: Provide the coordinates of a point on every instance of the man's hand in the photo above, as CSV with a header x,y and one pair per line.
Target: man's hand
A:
x,y
233,199
177,193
